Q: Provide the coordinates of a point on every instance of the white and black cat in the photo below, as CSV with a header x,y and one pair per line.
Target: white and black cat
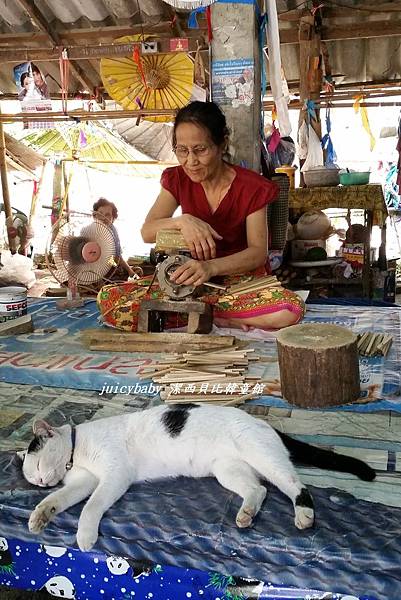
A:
x,y
101,459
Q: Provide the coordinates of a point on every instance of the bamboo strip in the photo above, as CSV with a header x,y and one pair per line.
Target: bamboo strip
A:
x,y
252,281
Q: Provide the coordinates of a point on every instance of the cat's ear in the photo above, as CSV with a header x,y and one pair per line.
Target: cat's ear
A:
x,y
43,429
21,454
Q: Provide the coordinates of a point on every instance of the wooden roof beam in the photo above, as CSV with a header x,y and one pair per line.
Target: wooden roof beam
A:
x,y
87,52
41,23
369,29
345,11
98,34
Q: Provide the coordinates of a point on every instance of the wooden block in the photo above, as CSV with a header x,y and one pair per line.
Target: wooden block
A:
x,y
17,326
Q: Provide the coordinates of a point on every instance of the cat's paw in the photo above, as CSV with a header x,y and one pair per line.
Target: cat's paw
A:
x,y
245,517
41,516
86,538
250,507
304,517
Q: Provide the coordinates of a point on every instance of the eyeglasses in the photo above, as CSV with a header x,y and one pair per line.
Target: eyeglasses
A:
x,y
182,152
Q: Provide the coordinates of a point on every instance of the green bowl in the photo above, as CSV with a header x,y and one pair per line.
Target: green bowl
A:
x,y
361,178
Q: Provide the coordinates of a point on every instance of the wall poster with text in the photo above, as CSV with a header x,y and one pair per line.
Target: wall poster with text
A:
x,y
33,93
233,82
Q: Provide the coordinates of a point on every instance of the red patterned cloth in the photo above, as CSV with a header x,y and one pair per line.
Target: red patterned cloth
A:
x,y
119,304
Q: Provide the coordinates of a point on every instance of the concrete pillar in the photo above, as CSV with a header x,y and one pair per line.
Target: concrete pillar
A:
x,y
236,77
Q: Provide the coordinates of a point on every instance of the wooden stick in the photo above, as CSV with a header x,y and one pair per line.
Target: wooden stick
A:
x,y
115,335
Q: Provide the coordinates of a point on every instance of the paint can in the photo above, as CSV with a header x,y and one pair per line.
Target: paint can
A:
x,y
13,303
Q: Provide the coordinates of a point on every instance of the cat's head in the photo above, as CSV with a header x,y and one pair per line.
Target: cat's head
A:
x,y
45,461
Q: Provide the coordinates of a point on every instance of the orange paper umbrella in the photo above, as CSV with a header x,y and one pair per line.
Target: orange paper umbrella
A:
x,y
155,81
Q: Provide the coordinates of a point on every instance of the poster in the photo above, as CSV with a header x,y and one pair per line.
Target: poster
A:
x,y
233,82
33,93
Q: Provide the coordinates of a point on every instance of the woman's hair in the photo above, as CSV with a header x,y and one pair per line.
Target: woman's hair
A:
x,y
103,202
35,69
204,114
23,77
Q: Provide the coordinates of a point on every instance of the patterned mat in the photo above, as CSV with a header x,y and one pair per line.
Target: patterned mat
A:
x,y
54,356
356,544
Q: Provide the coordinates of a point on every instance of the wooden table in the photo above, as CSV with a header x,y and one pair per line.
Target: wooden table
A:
x,y
369,198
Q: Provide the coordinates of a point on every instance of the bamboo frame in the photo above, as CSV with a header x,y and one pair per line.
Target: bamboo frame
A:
x,y
135,114
5,188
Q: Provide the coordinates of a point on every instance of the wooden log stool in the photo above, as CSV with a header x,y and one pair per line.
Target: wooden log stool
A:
x,y
319,365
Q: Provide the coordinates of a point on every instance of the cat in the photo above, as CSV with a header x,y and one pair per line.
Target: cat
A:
x,y
102,459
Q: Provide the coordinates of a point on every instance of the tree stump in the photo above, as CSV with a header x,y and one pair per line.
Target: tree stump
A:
x,y
318,365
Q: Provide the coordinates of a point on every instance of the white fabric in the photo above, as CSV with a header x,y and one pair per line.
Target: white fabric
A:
x,y
315,152
276,83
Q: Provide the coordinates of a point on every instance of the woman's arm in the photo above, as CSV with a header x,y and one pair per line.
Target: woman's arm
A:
x,y
197,272
198,235
160,216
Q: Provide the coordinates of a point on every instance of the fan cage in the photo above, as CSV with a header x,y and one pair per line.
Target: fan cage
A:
x,y
65,232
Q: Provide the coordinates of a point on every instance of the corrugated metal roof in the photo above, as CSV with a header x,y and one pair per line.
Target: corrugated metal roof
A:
x,y
372,59
78,13
21,158
354,60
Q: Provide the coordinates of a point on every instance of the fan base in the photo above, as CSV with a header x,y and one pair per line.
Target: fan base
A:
x,y
64,303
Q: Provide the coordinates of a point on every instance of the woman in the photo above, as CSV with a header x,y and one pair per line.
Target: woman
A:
x,y
223,222
25,81
107,212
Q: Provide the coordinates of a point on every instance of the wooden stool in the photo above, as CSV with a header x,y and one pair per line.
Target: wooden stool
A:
x,y
200,314
319,365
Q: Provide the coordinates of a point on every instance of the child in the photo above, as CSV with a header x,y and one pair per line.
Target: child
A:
x,y
107,212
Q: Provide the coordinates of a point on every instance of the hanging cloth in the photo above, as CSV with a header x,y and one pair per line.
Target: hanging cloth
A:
x,y
275,138
365,119
327,144
136,56
199,69
275,70
399,157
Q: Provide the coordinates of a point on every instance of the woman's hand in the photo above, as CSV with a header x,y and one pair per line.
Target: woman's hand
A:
x,y
193,272
199,236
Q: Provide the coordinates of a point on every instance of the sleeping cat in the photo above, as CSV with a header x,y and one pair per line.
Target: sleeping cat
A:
x,y
101,459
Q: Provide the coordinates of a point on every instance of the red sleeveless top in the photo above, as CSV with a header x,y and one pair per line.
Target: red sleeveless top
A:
x,y
248,193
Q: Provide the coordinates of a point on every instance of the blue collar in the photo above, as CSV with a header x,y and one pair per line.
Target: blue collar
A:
x,y
69,465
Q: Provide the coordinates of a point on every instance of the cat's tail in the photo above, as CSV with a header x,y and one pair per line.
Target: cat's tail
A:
x,y
326,459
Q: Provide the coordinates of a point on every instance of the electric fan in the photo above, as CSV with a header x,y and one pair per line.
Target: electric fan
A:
x,y
81,254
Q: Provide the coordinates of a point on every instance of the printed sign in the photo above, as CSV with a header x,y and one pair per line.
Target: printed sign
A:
x,y
179,45
33,93
233,82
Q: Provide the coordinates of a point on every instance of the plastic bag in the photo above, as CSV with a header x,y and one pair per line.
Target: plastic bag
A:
x,y
315,152
16,269
284,154
303,141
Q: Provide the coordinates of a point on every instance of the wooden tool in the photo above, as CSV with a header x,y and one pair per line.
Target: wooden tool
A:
x,y
200,314
113,340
